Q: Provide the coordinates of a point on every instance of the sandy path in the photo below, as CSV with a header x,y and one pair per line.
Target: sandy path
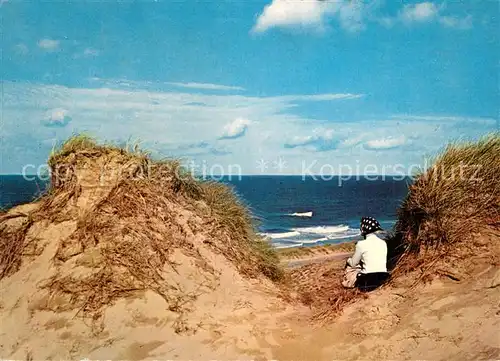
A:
x,y
445,320
297,262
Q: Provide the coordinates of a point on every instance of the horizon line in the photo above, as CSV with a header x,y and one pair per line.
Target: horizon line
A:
x,y
262,175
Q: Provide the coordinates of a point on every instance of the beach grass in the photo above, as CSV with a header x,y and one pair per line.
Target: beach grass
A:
x,y
445,208
231,213
125,205
448,203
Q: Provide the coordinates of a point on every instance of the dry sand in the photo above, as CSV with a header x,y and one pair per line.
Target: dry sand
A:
x,y
298,262
443,320
192,294
219,321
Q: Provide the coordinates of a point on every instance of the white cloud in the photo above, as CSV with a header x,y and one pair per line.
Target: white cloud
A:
x,y
57,117
387,21
434,118
235,129
420,12
351,16
287,100
429,12
385,143
310,14
205,86
21,49
299,140
171,124
320,97
287,13
48,44
90,52
321,140
456,22
352,141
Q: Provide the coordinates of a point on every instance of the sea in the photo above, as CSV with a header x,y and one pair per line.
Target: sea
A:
x,y
290,211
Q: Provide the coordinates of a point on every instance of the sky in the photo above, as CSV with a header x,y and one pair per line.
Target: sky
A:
x,y
255,87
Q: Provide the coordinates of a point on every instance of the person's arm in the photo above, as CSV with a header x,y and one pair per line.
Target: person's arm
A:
x,y
356,257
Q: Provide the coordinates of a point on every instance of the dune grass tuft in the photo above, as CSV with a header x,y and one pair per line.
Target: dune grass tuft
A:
x,y
451,201
437,222
127,207
234,218
12,245
319,286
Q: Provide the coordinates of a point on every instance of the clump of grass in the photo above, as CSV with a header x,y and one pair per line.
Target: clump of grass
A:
x,y
235,224
75,144
451,201
12,244
180,179
267,259
319,286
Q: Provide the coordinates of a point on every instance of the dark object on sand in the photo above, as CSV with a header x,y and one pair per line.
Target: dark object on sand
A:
x,y
367,282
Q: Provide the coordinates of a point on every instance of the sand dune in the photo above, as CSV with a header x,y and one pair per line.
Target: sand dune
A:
x,y
156,266
445,319
129,264
247,319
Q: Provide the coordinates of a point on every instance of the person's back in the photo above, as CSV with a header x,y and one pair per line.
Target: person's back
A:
x,y
367,268
373,254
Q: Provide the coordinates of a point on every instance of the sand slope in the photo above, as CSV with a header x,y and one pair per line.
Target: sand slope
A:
x,y
218,321
145,264
241,318
246,319
444,320
127,258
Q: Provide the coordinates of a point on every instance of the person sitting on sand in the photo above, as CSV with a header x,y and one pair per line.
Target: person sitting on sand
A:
x,y
367,268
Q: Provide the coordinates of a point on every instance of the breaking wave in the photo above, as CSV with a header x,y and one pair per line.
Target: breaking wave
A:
x,y
281,235
323,229
304,214
287,245
305,236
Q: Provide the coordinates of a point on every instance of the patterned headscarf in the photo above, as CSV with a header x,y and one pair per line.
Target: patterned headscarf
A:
x,y
369,225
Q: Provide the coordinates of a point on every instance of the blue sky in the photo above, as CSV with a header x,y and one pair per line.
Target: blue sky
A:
x,y
250,82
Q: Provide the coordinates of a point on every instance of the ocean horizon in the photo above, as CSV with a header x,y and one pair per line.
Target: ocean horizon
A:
x,y
290,211
264,175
